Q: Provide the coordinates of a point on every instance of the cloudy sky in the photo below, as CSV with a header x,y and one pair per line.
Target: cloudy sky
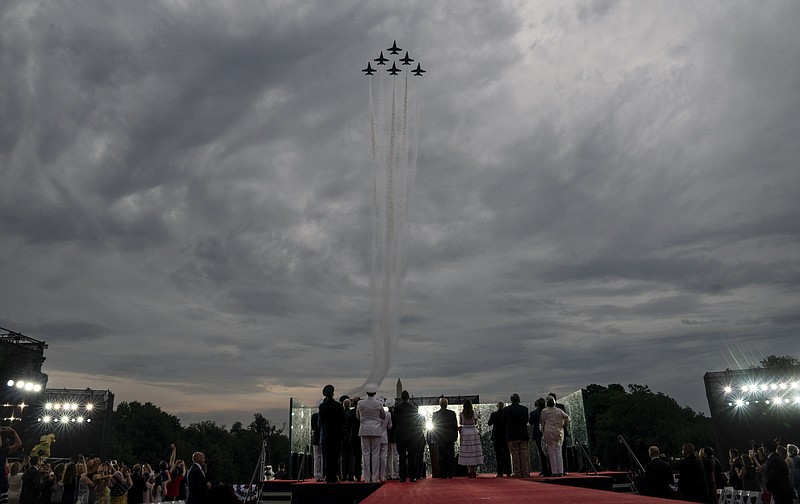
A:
x,y
606,192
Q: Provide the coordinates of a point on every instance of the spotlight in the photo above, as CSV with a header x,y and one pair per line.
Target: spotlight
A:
x,y
795,385
46,419
73,407
72,419
37,388
782,386
48,405
778,401
80,419
28,386
57,406
20,384
773,386
728,390
88,420
429,425
797,399
10,383
739,402
64,419
745,388
89,407
765,402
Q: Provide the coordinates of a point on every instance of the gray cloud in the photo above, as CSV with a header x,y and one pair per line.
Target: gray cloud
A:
x,y
606,192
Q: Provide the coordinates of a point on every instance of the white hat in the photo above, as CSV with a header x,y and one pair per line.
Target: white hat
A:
x,y
390,402
371,388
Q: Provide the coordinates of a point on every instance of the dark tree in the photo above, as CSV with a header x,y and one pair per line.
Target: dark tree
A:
x,y
773,361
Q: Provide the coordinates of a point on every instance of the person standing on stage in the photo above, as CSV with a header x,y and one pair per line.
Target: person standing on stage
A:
x,y
331,427
445,429
536,422
516,417
408,435
554,421
370,413
498,425
470,451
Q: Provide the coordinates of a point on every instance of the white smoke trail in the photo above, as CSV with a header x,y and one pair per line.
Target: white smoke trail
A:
x,y
394,170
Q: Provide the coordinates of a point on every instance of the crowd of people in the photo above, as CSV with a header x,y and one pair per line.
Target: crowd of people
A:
x,y
89,480
771,469
372,439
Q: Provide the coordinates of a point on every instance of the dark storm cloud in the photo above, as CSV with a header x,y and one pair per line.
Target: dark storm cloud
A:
x,y
606,193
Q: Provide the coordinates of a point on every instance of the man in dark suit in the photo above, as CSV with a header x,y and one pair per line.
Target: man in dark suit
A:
x,y
776,475
692,484
196,484
516,418
331,423
445,428
498,425
31,483
535,421
658,475
408,435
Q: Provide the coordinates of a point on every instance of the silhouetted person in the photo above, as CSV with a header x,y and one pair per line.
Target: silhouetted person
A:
x,y
657,475
331,425
498,425
692,484
445,428
408,436
776,475
516,417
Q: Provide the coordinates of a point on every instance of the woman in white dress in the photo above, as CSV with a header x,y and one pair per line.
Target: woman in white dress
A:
x,y
470,452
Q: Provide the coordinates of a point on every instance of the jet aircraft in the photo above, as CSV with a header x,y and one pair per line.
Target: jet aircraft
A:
x,y
418,71
381,60
406,60
369,70
394,49
394,70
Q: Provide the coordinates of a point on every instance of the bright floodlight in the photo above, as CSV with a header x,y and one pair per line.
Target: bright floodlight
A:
x,y
89,407
20,384
795,385
782,386
728,389
80,419
73,406
739,402
778,401
64,419
88,420
10,383
773,386
48,405
797,399
429,425
46,419
57,406
37,388
29,386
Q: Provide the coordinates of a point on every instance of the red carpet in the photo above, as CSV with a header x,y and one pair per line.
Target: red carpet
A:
x,y
490,489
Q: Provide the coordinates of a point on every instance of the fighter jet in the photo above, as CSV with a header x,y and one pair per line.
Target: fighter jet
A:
x,y
406,60
394,49
394,70
418,71
369,70
381,60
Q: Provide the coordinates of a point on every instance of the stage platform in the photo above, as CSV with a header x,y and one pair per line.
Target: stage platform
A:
x,y
577,487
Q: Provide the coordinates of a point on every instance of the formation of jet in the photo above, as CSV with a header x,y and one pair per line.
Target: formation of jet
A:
x,y
405,60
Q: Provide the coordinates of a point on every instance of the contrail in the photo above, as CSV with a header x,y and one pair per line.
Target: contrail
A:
x,y
394,166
